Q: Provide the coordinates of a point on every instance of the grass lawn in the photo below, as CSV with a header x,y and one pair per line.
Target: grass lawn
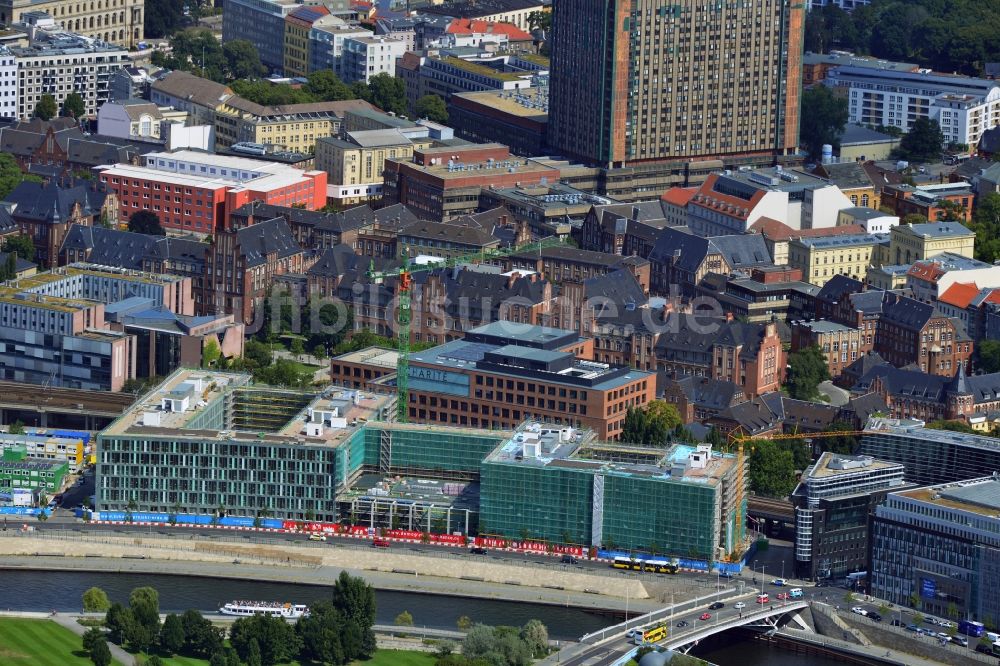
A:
x,y
39,643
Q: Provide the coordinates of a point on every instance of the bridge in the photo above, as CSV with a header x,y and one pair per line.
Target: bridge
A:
x,y
765,508
54,407
613,645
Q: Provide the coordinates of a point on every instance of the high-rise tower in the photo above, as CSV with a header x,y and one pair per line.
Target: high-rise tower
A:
x,y
643,81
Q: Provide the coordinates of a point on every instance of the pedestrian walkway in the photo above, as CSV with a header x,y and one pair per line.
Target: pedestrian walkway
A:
x,y
69,622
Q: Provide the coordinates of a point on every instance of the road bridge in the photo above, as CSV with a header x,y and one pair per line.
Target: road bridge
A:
x,y
54,407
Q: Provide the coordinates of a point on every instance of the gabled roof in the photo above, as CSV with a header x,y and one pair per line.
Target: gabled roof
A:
x,y
709,393
182,85
838,287
451,233
778,231
680,247
265,238
742,250
959,294
845,175
679,196
989,142
908,383
53,202
341,260
754,416
466,26
110,247
908,313
619,288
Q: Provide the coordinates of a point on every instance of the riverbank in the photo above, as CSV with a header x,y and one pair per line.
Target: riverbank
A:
x,y
320,564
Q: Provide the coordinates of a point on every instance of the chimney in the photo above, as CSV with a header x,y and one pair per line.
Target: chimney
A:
x,y
512,278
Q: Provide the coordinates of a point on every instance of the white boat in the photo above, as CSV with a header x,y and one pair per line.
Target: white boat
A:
x,y
272,608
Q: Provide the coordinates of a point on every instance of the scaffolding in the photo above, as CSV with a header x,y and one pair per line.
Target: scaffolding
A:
x,y
385,452
266,410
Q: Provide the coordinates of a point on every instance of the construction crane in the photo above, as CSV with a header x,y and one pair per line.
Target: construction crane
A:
x,y
735,437
404,290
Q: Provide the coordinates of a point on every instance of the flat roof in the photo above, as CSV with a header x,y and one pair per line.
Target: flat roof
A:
x,y
523,103
824,326
375,356
979,496
835,464
539,444
850,240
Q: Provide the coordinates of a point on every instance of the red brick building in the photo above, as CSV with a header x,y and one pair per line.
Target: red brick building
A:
x,y
195,192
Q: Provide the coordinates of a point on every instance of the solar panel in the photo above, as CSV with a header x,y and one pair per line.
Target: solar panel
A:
x,y
471,351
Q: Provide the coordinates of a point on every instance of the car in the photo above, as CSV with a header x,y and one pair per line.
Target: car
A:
x,y
739,605
682,624
569,559
875,617
717,605
380,543
781,596
946,624
931,620
778,582
317,537
705,616
632,632
726,574
763,598
896,623
985,649
858,610
477,550
960,640
943,636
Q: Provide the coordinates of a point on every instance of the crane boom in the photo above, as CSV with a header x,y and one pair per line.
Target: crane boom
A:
x,y
404,292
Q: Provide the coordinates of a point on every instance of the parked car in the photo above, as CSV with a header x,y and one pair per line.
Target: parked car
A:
x,y
960,640
317,537
875,617
912,627
717,605
739,605
944,637
985,649
477,550
778,582
859,610
705,616
569,559
380,543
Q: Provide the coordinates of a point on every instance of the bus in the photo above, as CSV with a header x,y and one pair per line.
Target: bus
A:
x,y
659,566
969,628
653,635
626,563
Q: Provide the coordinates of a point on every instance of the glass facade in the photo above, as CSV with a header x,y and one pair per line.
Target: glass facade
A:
x,y
632,512
932,457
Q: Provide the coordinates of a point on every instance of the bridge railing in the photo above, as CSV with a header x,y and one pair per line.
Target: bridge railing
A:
x,y
616,630
699,632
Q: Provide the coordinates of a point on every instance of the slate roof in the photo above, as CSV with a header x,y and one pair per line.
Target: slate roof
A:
x,y
984,388
125,249
837,286
803,415
989,142
864,364
862,407
754,415
448,233
859,134
19,263
902,382
341,260
263,238
908,313
685,249
705,392
742,250
203,92
24,138
686,336
572,254
619,288
53,202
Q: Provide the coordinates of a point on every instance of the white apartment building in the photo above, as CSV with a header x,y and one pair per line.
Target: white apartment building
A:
x,y
8,84
964,107
365,57
326,45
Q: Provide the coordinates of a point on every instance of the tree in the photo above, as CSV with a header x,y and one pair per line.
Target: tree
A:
x,y
254,657
540,21
155,660
464,623
952,611
325,86
913,218
9,269
242,59
923,142
117,620
536,636
276,641
988,353
297,347
841,443
210,354
404,619
914,600
201,638
218,659
46,109
162,17
806,369
986,224
387,93
651,425
17,428
771,470
172,638
91,637
73,106
320,634
283,373
145,222
822,120
95,600
100,653
21,244
432,108
952,425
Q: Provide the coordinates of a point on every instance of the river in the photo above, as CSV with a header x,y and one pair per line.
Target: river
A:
x,y
46,590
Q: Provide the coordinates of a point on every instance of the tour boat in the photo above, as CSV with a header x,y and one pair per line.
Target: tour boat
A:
x,y
272,608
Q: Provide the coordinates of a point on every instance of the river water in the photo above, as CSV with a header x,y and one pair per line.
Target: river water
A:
x,y
47,590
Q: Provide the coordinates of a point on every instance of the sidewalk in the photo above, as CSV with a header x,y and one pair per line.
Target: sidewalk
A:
x,y
69,622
